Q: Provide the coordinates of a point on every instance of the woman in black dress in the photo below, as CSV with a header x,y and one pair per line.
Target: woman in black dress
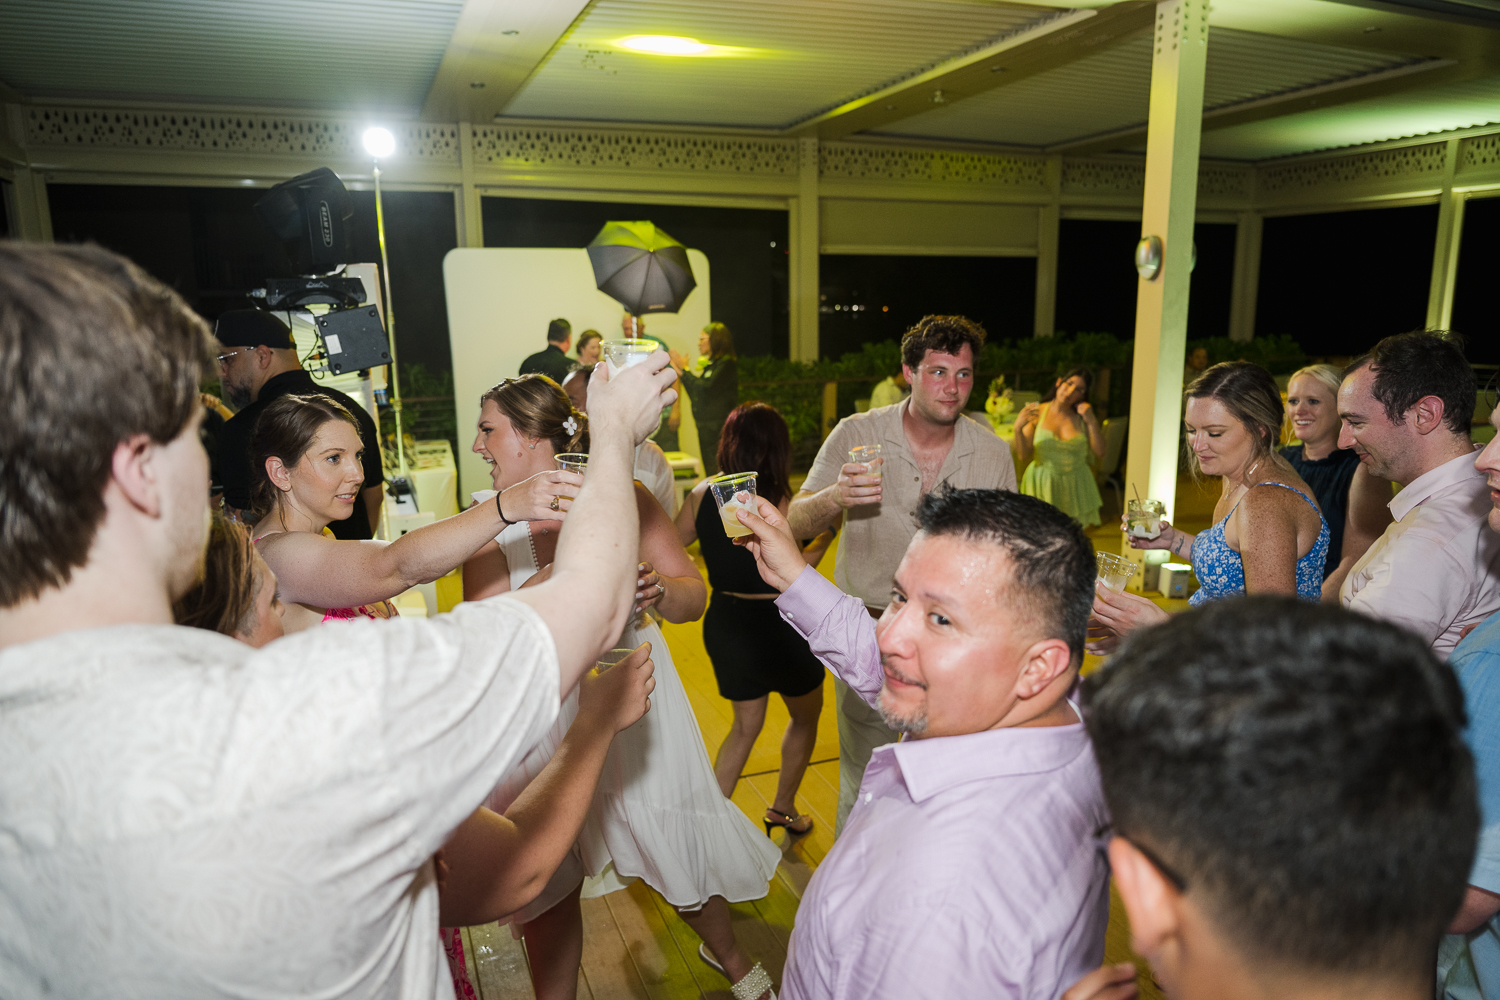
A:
x,y
713,390
755,652
1353,503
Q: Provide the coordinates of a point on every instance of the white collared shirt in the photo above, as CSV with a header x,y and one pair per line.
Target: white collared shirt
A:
x,y
1436,569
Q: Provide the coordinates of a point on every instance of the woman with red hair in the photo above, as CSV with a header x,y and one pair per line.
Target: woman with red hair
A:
x,y
753,651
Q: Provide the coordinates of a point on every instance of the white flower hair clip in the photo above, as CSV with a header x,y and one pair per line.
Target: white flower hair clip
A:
x,y
571,424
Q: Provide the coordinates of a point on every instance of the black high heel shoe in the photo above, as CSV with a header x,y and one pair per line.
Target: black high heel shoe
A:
x,y
785,822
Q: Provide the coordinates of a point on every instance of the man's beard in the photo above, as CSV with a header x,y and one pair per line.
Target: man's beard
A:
x,y
237,396
913,724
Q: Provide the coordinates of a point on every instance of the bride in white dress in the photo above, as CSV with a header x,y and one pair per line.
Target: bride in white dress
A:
x,y
658,814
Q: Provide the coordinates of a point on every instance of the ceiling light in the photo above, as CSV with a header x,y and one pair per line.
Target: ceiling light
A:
x,y
379,143
665,45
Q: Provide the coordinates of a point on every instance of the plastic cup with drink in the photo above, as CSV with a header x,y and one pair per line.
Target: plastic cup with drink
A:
x,y
570,461
734,493
867,455
1114,571
610,658
1143,518
622,354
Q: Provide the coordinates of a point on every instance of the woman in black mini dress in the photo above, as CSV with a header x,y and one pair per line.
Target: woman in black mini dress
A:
x,y
755,652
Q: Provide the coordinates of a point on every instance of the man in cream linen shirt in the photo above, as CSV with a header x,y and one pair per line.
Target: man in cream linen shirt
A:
x,y
926,440
1406,408
182,815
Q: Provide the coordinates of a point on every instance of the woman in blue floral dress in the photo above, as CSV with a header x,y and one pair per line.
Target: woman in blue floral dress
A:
x,y
1268,536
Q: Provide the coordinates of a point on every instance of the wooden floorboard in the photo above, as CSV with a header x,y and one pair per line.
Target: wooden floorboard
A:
x,y
607,963
499,964
659,960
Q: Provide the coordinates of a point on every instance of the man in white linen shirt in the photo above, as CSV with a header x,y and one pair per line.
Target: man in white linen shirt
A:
x,y
183,815
1406,408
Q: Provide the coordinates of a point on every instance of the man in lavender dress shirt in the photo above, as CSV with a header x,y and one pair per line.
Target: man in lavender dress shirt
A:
x,y
1294,808
973,862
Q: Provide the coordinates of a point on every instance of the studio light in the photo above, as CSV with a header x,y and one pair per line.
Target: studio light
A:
x,y
379,143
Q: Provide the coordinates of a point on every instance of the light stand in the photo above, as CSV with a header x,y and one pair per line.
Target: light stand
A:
x,y
379,143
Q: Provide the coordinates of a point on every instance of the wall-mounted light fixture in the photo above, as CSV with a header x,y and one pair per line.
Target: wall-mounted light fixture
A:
x,y
1148,257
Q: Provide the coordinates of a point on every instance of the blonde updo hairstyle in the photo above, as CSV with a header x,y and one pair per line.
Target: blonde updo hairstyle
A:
x,y
537,407
1250,394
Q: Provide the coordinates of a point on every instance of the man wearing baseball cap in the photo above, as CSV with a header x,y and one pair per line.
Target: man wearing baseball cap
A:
x,y
259,363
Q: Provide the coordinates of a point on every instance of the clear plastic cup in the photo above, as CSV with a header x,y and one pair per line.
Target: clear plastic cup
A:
x,y
1143,518
1114,570
610,658
622,354
734,493
867,455
570,461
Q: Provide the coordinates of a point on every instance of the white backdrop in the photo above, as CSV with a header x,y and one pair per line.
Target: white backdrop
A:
x,y
499,303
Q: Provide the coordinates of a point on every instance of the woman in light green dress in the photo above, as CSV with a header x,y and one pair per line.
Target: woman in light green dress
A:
x,y
1062,439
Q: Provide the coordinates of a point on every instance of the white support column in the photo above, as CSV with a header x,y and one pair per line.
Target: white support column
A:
x,y
803,224
1246,277
1048,221
1173,132
1450,231
34,215
470,215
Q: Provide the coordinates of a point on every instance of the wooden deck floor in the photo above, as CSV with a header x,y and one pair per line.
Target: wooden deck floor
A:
x,y
635,945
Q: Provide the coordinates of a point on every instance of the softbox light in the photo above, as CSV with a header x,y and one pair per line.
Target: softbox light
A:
x,y
310,213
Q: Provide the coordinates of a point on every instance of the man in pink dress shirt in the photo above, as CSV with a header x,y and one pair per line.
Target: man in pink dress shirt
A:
x,y
1406,408
973,862
1294,808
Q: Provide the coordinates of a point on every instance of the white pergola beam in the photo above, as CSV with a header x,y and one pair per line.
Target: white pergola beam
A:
x,y
1056,42
498,44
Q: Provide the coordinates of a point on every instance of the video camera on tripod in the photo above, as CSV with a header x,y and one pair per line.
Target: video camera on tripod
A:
x,y
310,214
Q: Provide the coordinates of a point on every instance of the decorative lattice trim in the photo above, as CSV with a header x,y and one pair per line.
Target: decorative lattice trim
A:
x,y
854,161
589,149
278,135
1406,162
1479,152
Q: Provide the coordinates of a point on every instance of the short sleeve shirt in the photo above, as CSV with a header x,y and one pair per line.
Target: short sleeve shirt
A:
x,y
875,537
182,815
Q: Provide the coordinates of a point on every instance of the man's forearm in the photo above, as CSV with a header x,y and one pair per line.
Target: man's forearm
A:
x,y
812,513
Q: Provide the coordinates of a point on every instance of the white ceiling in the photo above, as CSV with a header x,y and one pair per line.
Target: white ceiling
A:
x,y
794,60
356,54
803,56
1111,90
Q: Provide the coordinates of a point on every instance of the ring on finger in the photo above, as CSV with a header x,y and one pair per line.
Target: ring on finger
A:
x,y
553,504
661,589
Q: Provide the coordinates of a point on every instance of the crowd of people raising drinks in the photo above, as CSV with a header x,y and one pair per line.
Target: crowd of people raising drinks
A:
x,y
228,767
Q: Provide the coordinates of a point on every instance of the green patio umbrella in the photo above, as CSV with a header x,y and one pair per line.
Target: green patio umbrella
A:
x,y
641,267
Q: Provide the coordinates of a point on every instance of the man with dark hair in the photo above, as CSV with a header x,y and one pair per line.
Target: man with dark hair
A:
x,y
972,865
186,815
925,440
1293,805
1469,960
553,360
259,363
1406,408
